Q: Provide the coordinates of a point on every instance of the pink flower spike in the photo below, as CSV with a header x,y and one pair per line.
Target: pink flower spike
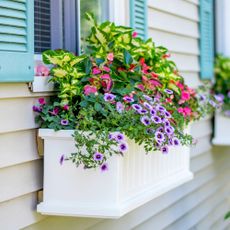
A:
x,y
42,70
134,35
96,70
110,56
88,89
187,111
42,101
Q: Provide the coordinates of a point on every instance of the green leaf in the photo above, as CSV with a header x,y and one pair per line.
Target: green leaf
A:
x,y
97,107
83,104
127,58
88,66
227,216
90,17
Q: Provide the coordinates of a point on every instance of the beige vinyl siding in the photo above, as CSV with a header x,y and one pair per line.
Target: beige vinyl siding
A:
x,y
198,205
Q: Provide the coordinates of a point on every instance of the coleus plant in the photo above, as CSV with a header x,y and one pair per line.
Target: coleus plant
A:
x,y
222,83
122,88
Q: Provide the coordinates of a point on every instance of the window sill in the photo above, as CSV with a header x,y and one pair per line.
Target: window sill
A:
x,y
131,181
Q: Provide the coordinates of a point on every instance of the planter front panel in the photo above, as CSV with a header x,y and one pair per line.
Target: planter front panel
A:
x,y
221,130
131,180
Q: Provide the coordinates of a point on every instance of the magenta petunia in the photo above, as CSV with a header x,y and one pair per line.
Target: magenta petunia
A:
x,y
42,101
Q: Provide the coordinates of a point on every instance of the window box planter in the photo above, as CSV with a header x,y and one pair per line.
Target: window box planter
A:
x,y
42,84
221,130
131,180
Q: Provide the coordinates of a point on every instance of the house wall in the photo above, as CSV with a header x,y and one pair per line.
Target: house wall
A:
x,y
198,204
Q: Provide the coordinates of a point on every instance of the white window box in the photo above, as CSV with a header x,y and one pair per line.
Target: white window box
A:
x,y
42,84
221,130
131,180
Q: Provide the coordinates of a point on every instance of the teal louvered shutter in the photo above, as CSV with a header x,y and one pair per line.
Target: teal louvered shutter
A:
x,y
206,39
138,17
16,40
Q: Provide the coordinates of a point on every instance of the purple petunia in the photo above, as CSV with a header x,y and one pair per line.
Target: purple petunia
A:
x,y
142,111
146,120
109,97
119,137
219,97
147,105
136,107
37,109
160,129
128,99
97,156
169,130
123,147
164,149
146,97
104,167
159,137
120,107
176,141
166,123
212,103
156,119
167,114
160,108
168,91
228,94
153,112
64,122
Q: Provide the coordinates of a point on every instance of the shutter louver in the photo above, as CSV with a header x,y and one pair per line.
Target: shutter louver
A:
x,y
138,17
16,40
206,39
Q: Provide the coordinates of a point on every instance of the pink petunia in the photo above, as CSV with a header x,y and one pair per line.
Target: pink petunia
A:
x,y
42,101
88,89
42,70
185,96
141,87
134,35
110,56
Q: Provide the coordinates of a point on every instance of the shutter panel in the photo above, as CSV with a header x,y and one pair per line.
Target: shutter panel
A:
x,y
206,39
16,40
138,17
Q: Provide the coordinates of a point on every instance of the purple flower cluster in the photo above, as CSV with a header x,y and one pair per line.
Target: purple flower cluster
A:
x,y
120,139
156,118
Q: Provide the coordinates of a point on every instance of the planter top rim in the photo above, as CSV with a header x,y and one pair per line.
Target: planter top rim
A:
x,y
55,134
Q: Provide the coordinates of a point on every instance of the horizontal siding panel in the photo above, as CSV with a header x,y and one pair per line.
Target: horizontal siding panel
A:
x,y
214,215
17,148
176,7
191,219
191,78
175,43
20,112
15,5
186,62
19,213
16,90
12,13
175,25
20,179
165,219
